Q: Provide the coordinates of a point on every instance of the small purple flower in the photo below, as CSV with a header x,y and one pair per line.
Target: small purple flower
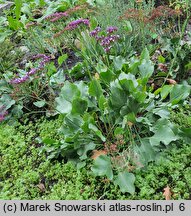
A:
x,y
111,29
107,49
95,31
32,71
99,38
56,16
105,41
23,79
74,24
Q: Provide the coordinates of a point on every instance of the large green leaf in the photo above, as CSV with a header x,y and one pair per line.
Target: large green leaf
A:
x,y
163,130
146,69
101,67
107,76
145,152
6,101
102,166
70,91
162,111
128,82
118,97
83,88
185,134
83,150
179,92
145,55
126,181
118,61
74,122
62,105
165,91
95,89
79,106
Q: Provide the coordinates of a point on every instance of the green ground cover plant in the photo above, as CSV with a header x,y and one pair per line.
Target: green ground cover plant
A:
x,y
111,84
27,174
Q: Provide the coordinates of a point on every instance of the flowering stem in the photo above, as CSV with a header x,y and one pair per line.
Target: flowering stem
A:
x,y
179,46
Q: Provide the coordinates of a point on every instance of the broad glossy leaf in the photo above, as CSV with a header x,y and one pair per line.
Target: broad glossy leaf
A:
x,y
163,112
146,68
128,82
83,88
79,106
118,97
95,89
73,122
70,91
163,130
77,70
107,76
166,90
6,101
133,66
62,105
118,61
102,166
185,134
145,55
101,67
140,96
131,105
57,78
83,150
49,141
88,119
126,181
145,152
179,92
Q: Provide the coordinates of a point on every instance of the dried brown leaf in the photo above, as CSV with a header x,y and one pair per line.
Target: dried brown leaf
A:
x,y
41,186
171,81
97,153
167,193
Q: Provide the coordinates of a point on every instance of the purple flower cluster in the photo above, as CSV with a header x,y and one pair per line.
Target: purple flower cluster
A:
x,y
95,32
23,79
105,41
56,16
74,24
111,29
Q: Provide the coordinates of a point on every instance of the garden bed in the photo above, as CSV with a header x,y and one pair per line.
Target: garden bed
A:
x,y
100,94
